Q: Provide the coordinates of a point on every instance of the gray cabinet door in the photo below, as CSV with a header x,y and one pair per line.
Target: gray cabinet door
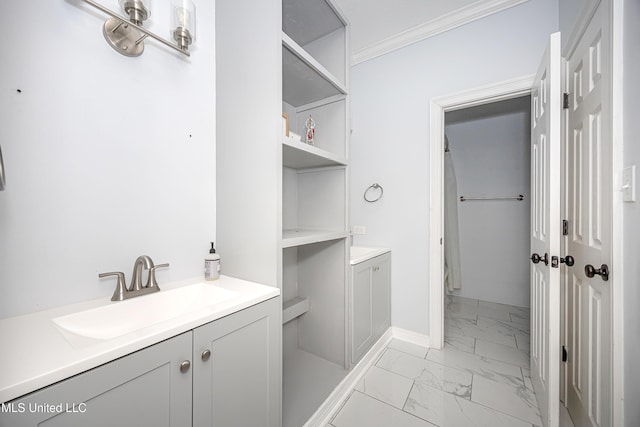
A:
x,y
239,383
381,288
370,303
143,389
361,310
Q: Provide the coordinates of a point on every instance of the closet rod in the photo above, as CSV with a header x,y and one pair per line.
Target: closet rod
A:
x,y
518,197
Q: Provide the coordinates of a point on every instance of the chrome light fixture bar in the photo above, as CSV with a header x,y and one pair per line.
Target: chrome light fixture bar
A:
x,y
127,36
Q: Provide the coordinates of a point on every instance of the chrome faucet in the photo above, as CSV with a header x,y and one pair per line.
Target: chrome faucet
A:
x,y
136,289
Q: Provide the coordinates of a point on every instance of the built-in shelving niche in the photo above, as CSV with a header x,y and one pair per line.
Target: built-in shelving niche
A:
x,y
315,27
314,206
330,145
314,335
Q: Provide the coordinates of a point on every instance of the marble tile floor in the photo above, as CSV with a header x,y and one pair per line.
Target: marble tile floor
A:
x,y
479,378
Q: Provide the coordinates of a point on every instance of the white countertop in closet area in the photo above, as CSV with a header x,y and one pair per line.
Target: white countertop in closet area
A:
x,y
362,253
36,352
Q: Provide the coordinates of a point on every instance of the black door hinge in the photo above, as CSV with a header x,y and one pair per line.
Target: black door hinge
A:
x,y
565,101
565,227
565,354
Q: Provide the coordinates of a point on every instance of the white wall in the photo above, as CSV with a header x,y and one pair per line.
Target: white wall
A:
x,y
107,157
248,138
491,157
631,135
390,120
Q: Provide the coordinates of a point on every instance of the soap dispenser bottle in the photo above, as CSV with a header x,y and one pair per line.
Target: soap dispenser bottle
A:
x,y
212,265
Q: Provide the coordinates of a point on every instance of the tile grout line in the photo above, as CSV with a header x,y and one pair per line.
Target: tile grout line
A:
x,y
393,407
498,410
342,405
472,401
407,399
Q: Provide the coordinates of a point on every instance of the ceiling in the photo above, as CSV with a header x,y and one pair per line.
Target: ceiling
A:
x,y
381,26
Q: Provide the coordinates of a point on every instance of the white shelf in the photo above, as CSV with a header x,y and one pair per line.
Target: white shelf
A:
x,y
309,20
298,155
293,308
305,80
298,237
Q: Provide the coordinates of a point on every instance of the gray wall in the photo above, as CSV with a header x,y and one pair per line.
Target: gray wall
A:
x,y
631,117
390,143
107,157
491,155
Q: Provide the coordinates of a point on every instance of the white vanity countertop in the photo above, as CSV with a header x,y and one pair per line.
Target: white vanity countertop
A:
x,y
35,352
362,253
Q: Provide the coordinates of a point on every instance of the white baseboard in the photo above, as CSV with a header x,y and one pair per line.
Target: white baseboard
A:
x,y
323,415
410,336
332,404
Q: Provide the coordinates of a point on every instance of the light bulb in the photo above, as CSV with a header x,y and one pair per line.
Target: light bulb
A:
x,y
183,22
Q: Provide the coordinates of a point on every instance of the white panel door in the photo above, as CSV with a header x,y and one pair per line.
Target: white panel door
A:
x,y
546,100
589,214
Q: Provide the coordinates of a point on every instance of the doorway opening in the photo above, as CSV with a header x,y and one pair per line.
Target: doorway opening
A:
x,y
487,210
502,91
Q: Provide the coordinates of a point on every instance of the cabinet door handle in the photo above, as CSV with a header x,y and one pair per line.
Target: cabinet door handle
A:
x,y
184,366
206,355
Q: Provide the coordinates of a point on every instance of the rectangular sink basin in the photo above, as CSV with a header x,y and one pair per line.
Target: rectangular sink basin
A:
x,y
122,317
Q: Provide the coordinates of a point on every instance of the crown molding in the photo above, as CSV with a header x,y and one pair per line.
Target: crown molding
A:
x,y
447,22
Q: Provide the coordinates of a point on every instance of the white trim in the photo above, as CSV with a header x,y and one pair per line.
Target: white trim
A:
x,y
438,106
330,406
436,226
617,216
449,21
411,337
341,393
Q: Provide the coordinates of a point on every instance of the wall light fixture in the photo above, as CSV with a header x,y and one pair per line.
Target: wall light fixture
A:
x,y
127,36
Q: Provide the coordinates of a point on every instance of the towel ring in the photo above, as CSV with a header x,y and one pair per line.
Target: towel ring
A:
x,y
374,187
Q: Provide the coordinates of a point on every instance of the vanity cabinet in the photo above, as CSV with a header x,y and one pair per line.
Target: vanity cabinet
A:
x,y
174,383
237,369
370,303
145,388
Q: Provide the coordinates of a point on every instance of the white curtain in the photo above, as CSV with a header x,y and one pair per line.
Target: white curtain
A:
x,y
452,273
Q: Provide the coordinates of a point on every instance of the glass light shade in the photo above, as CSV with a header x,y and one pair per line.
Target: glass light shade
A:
x,y
138,10
183,22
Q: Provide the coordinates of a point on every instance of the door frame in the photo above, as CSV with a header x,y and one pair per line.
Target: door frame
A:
x,y
508,89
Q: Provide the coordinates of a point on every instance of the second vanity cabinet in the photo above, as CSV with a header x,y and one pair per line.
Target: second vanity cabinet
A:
x,y
370,303
225,373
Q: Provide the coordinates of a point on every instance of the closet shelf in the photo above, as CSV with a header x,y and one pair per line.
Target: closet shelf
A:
x,y
298,155
309,20
293,308
299,237
305,80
